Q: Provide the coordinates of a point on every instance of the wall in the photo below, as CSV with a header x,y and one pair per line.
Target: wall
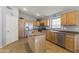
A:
x,y
0,27
26,16
71,28
9,16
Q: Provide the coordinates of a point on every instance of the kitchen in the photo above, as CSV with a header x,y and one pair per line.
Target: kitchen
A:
x,y
47,27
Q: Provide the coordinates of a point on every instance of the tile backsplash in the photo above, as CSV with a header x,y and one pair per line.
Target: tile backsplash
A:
x,y
70,28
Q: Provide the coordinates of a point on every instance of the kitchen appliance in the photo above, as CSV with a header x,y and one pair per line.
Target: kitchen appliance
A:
x,y
61,39
28,29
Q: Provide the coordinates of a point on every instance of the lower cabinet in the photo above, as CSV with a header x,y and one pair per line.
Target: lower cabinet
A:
x,y
54,37
69,42
65,40
49,36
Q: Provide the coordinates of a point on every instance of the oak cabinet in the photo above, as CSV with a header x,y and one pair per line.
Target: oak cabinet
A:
x,y
63,19
70,18
36,23
69,41
37,43
45,22
49,36
54,37
42,23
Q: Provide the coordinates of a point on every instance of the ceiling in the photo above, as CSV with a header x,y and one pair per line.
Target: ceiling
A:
x,y
44,10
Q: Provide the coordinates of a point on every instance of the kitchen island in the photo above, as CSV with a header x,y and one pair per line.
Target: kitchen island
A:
x,y
36,42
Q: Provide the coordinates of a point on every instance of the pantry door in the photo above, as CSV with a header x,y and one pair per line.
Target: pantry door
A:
x,y
21,28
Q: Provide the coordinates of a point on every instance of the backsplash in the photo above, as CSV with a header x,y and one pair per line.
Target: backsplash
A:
x,y
70,28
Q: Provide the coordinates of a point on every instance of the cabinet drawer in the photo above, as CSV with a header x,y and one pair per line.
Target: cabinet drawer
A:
x,y
70,35
48,36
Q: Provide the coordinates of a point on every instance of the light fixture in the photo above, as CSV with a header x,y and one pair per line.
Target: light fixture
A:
x,y
25,9
37,14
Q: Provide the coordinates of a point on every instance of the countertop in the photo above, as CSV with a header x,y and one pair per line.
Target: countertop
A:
x,y
76,32
36,34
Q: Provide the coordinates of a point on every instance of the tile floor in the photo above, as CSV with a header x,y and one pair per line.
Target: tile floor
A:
x,y
20,46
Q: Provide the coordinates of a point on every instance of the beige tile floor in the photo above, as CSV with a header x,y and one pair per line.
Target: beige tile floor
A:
x,y
52,48
20,47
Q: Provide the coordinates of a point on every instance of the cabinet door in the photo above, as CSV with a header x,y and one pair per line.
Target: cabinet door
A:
x,y
53,37
36,23
45,22
63,19
49,36
69,43
71,18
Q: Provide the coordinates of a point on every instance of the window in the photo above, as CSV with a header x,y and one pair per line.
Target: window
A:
x,y
56,23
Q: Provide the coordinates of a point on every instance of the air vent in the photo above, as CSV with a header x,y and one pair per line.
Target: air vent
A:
x,y
9,8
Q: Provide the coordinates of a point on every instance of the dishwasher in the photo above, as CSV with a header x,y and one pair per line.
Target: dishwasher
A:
x,y
61,39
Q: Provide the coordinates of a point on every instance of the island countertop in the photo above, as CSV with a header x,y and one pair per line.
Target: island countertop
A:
x,y
36,42
36,34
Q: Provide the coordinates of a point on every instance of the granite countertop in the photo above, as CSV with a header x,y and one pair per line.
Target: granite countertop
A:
x,y
69,31
36,34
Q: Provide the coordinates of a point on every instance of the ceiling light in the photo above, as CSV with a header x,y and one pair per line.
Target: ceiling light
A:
x,y
25,9
37,14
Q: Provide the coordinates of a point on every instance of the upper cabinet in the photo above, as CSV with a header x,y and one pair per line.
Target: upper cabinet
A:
x,y
36,23
63,19
70,18
40,23
45,22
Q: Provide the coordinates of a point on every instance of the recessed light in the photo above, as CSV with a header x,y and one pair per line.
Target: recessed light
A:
x,y
37,14
25,9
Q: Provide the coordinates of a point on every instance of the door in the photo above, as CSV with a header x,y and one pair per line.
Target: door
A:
x,y
21,28
11,29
